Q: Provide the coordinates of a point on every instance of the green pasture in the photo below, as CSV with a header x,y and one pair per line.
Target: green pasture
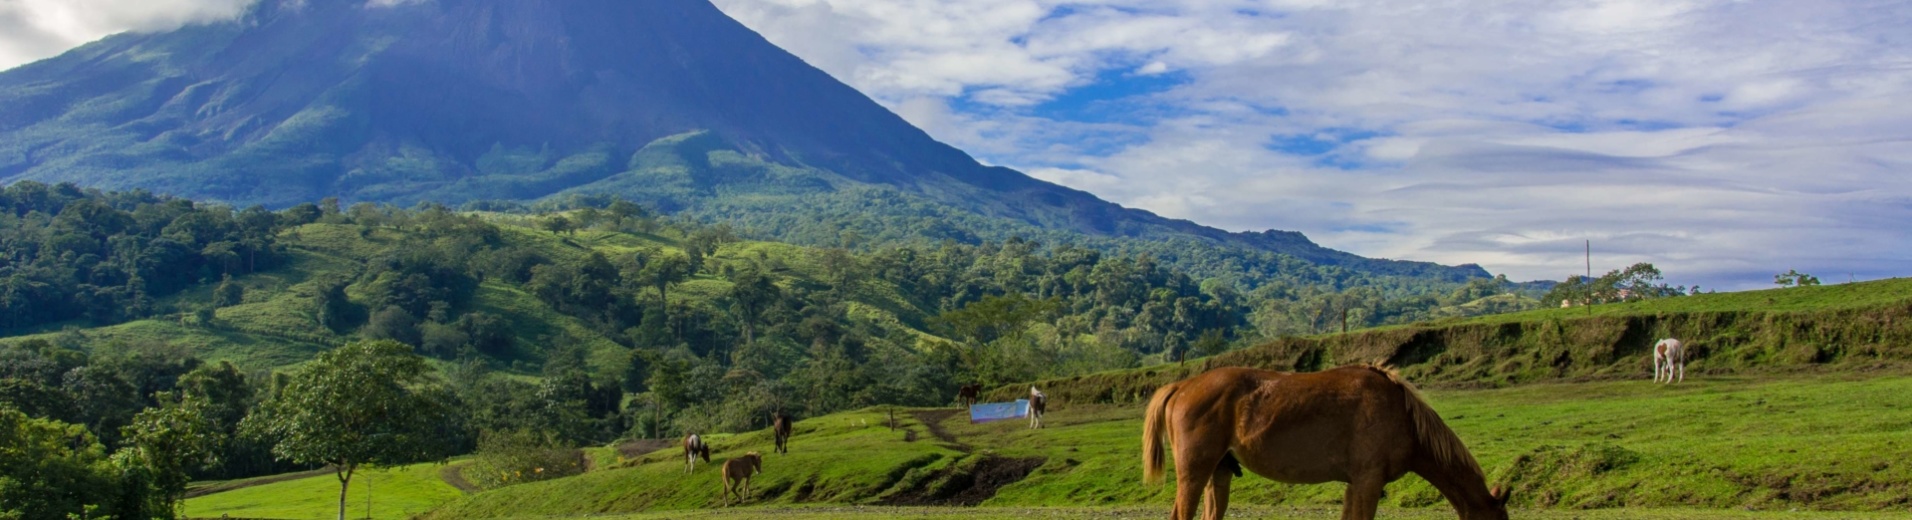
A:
x,y
1246,512
398,492
1610,449
1794,299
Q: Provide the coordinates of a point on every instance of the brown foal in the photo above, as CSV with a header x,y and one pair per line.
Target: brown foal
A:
x,y
737,474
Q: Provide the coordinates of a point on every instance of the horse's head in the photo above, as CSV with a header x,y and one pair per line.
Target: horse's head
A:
x,y
756,461
703,450
1496,508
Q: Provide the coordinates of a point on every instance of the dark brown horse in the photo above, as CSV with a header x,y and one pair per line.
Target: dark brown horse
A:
x,y
737,474
966,395
1360,424
694,447
780,428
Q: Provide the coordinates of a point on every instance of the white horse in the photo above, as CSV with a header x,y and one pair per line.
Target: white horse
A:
x,y
1038,404
1669,355
694,447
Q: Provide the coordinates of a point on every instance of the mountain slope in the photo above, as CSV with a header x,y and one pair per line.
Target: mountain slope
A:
x,y
457,100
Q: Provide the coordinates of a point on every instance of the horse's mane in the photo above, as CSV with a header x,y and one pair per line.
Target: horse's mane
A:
x,y
1433,433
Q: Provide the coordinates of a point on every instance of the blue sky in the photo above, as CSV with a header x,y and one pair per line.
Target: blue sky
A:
x,y
1722,140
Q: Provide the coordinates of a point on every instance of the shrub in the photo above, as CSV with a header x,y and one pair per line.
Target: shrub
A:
x,y
506,458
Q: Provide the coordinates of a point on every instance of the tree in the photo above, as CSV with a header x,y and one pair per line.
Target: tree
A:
x,y
395,324
557,224
335,311
368,402
753,293
52,469
164,443
1794,278
664,270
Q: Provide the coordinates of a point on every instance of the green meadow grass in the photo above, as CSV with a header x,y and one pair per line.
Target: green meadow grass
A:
x,y
842,457
398,492
1246,512
1614,449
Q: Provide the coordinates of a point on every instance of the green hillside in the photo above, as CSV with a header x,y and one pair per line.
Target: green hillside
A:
x,y
1746,432
1839,328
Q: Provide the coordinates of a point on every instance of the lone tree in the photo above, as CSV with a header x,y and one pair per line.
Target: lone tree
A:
x,y
1794,278
368,402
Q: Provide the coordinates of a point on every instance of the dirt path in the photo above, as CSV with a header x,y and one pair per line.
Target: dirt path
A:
x,y
967,486
933,419
454,474
221,487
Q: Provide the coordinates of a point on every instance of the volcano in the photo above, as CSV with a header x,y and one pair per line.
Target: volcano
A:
x,y
667,102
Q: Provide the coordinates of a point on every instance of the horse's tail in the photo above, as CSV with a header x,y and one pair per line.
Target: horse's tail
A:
x,y
1153,430
1430,432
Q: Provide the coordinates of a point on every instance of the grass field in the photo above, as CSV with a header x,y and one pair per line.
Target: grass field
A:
x,y
393,493
1613,449
1250,512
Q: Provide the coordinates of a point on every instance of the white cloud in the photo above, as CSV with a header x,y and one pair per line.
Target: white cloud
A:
x,y
37,29
1722,140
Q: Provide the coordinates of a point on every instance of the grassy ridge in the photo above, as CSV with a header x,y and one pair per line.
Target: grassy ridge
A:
x,y
1842,327
1811,442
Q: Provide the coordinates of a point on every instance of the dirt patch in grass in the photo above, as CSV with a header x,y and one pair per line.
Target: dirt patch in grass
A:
x,y
635,448
221,487
967,483
454,474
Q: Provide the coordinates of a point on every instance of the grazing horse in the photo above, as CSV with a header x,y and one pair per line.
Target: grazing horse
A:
x,y
694,447
966,395
1362,425
1668,355
737,474
1038,405
780,428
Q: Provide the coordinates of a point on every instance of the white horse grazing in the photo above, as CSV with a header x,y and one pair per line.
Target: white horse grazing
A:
x,y
694,447
1038,405
1669,355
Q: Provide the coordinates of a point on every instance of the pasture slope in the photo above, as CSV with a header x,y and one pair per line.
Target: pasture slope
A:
x,y
1756,432
1819,442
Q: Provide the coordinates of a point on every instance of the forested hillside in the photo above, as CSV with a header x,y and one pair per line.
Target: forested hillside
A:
x,y
578,321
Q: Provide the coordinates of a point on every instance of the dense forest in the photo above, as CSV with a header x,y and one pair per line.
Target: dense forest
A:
x,y
566,323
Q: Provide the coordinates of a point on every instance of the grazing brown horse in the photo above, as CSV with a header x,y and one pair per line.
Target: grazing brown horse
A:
x,y
1038,405
966,395
780,428
1359,424
694,447
737,474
